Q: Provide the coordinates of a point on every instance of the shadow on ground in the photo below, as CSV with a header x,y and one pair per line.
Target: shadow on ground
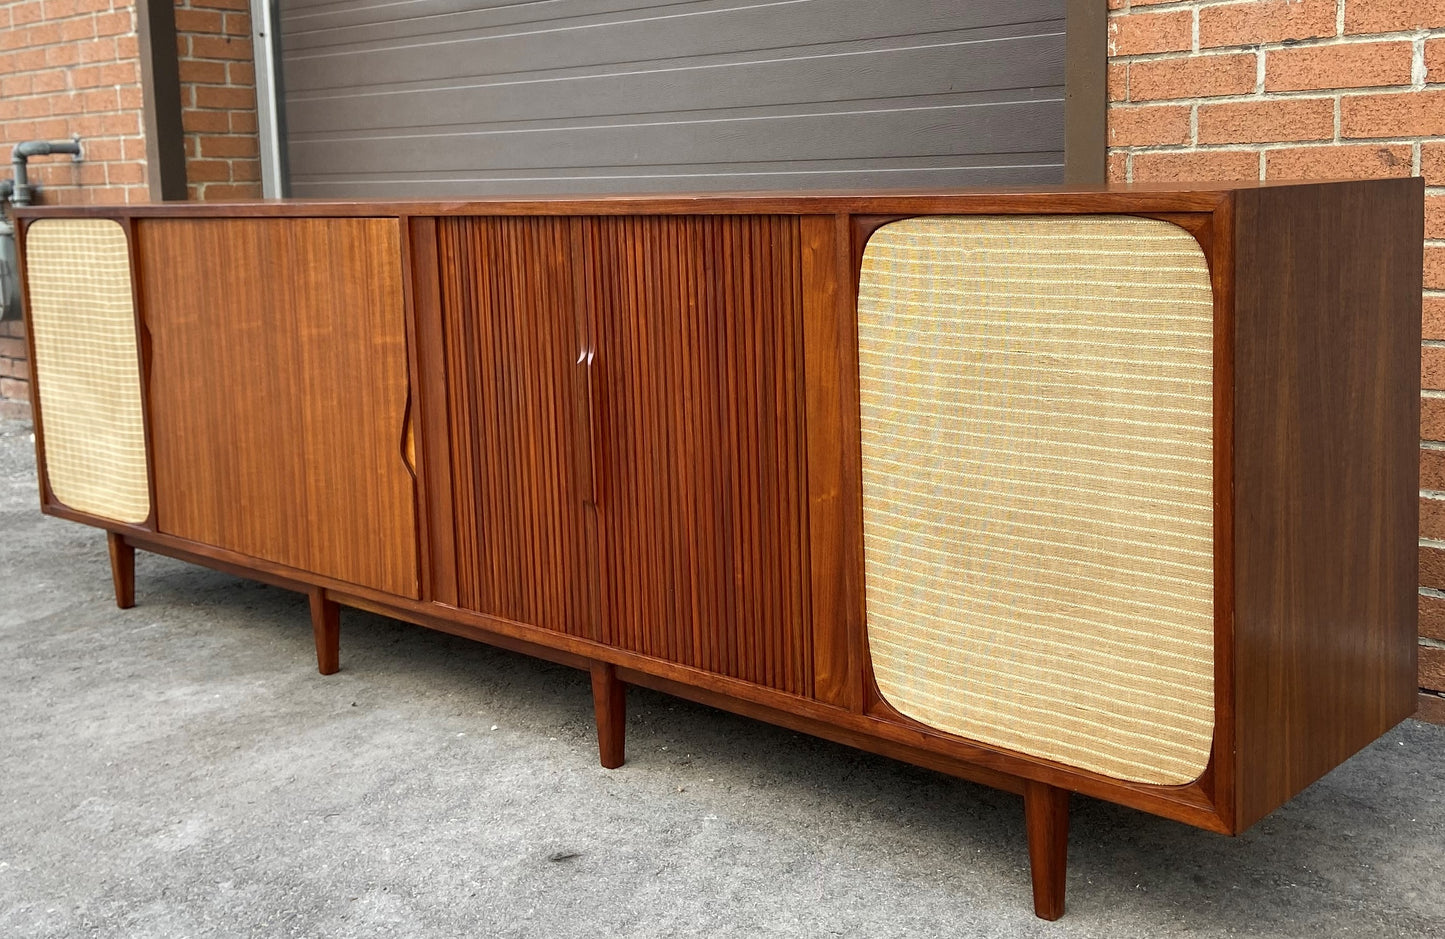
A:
x,y
179,769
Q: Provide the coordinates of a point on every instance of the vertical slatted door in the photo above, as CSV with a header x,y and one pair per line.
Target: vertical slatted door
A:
x,y
517,460
697,384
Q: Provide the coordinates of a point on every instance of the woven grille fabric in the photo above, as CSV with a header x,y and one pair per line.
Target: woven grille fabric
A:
x,y
86,367
1037,486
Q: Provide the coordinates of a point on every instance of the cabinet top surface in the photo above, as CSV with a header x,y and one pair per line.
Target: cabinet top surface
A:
x,y
1173,197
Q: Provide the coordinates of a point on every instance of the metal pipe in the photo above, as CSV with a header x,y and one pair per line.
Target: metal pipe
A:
x,y
9,272
21,190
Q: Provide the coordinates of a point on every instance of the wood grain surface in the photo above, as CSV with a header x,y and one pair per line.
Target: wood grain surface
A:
x,y
278,391
1326,426
1138,199
697,387
517,480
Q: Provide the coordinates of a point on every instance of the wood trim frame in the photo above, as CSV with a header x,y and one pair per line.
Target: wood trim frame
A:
x,y
143,363
48,503
37,419
1213,231
1134,199
1086,91
161,100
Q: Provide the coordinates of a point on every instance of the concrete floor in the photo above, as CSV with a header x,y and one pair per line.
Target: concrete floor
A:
x,y
180,769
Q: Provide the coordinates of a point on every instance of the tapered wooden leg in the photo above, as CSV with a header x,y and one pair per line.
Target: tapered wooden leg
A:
x,y
326,624
1046,814
609,699
122,569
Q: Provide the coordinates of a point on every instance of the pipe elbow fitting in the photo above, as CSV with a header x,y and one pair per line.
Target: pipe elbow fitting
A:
x,y
34,148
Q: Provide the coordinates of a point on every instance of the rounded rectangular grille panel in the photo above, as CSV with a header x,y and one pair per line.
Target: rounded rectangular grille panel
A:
x,y
1037,427
87,369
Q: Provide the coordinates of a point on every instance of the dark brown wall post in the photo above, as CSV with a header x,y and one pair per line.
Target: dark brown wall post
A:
x,y
161,90
1086,96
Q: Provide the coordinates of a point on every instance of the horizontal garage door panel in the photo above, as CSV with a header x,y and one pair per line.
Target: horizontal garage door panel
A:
x,y
673,31
991,127
616,95
845,75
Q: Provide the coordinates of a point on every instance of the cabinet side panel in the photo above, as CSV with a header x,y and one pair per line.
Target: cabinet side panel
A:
x,y
1326,429
279,392
701,500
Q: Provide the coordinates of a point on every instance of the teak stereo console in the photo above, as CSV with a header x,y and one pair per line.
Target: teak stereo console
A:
x,y
1109,492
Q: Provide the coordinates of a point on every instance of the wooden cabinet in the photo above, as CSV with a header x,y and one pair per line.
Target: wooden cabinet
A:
x,y
1107,493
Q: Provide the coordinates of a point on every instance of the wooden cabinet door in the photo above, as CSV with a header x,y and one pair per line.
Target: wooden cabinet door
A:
x,y
278,392
505,439
697,394
613,433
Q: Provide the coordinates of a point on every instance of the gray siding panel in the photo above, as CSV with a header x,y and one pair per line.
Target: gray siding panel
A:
x,y
449,98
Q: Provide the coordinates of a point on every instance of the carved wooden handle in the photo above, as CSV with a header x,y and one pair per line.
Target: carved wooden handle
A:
x,y
408,439
592,381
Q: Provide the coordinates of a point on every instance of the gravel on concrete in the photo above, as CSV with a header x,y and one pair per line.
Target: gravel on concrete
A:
x,y
180,770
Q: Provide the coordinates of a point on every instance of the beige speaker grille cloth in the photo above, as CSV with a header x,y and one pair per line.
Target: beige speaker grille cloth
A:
x,y
86,366
1037,486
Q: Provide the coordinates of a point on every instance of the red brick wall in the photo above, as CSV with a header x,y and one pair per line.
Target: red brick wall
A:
x,y
1268,89
73,67
218,99
69,67
14,375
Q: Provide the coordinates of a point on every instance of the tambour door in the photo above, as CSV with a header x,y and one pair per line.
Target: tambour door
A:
x,y
620,451
697,384
505,428
278,392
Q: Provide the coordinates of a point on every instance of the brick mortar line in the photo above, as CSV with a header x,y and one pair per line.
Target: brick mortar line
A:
x,y
1258,145
89,14
35,47
1177,6
1280,45
1308,142
31,96
1301,94
1174,5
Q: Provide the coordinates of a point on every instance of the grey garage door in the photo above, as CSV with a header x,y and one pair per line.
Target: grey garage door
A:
x,y
452,97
